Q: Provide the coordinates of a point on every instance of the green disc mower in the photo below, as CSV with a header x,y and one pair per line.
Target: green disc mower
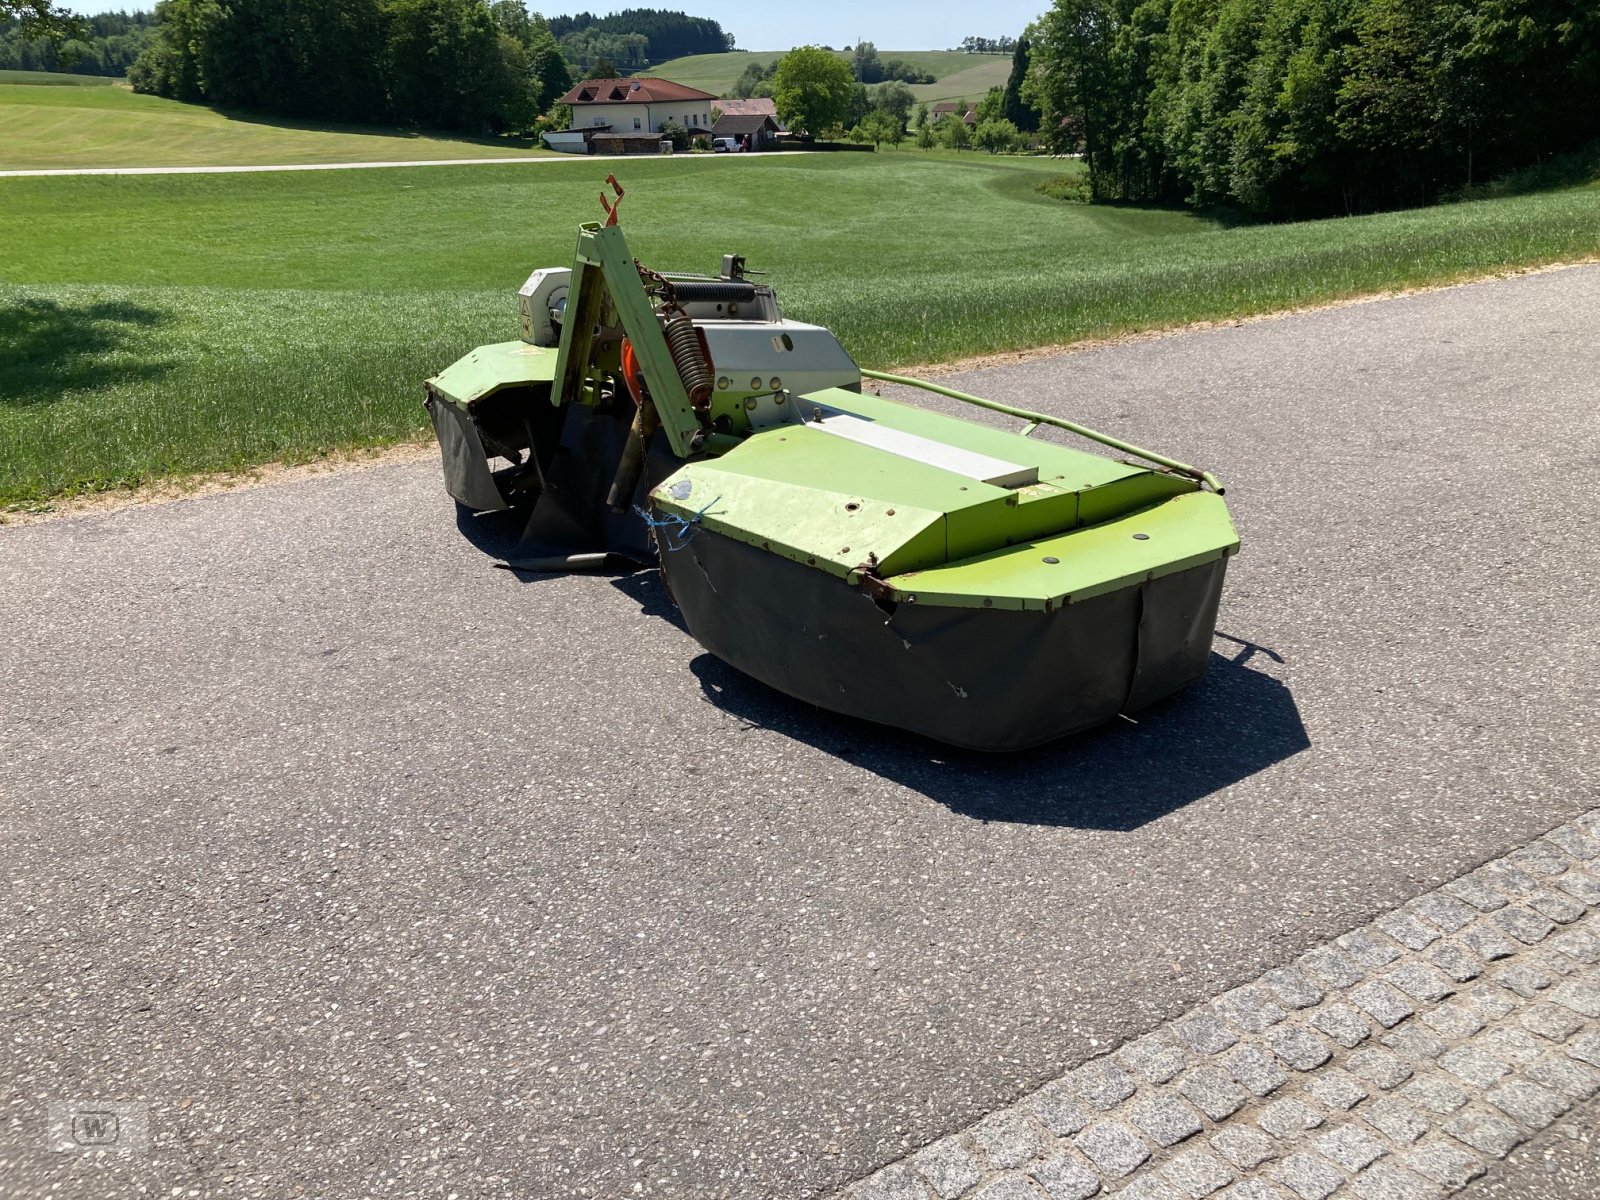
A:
x,y
981,587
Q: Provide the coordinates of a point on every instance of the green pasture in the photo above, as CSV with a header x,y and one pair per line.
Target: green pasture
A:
x,y
160,325
56,79
55,127
960,75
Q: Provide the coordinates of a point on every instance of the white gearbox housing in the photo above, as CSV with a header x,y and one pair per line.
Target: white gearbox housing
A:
x,y
546,289
754,358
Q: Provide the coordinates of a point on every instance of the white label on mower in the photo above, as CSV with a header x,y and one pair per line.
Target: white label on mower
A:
x,y
946,457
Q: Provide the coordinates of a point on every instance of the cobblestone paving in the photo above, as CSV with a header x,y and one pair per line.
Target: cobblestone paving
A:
x,y
1397,1062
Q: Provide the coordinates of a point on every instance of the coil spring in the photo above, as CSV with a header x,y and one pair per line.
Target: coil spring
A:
x,y
683,343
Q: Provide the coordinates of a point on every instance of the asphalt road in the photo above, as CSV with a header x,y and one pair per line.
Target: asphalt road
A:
x,y
376,871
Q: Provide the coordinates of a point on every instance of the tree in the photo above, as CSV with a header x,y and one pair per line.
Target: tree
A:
x,y
1013,107
882,126
864,63
926,138
812,90
995,135
601,68
43,19
895,98
953,132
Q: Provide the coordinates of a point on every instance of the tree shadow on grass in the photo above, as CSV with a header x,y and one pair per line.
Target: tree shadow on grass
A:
x,y
49,348
511,145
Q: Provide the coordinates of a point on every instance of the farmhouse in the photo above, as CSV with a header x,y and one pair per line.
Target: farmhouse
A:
x,y
941,110
624,114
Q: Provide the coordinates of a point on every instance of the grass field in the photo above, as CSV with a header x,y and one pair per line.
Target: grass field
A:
x,y
43,127
161,325
960,75
56,79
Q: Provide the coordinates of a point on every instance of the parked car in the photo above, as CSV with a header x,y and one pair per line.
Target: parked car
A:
x,y
726,146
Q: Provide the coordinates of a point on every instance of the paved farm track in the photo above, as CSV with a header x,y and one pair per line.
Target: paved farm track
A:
x,y
378,871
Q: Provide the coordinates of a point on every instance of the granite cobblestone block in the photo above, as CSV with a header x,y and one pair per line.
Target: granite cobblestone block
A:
x,y
1154,1059
1250,1008
1330,968
1337,1090
1292,987
1058,1109
1367,948
1065,1177
1396,1120
1579,944
1539,858
1008,1187
1309,1177
1254,1070
1487,942
1576,842
1525,925
1453,1021
1455,962
1101,1084
1008,1139
1287,1118
1245,1146
1379,1068
1559,907
1581,998
1420,981
1166,1120
1342,1023
1434,1093
1524,979
1390,1181
1581,886
1446,1163
1415,1041
1571,1079
1350,1147
1213,1091
1381,1001
1471,890
1408,930
948,1166
1486,1133
1448,913
1204,1034
1551,1021
1113,1148
1197,1174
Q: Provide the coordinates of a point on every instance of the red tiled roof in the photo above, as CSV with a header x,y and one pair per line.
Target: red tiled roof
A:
x,y
756,106
631,91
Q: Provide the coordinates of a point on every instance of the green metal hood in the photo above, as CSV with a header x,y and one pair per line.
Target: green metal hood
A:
x,y
488,369
920,494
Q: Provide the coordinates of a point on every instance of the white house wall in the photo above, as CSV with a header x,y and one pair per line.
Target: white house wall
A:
x,y
688,113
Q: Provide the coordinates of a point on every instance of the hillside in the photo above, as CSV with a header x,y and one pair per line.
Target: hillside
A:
x,y
44,127
959,75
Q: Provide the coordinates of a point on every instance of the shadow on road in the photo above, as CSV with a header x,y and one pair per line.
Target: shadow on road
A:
x,y
1233,723
50,348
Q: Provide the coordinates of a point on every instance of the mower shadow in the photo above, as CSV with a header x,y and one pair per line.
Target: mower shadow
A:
x,y
1233,723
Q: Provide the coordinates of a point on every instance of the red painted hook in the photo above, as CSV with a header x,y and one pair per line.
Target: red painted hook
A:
x,y
611,206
